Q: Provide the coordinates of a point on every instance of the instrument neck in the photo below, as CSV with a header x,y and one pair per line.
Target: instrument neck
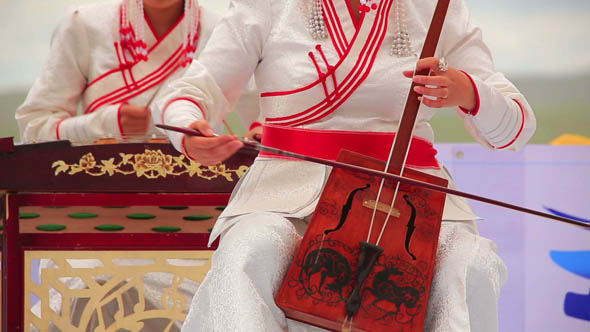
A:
x,y
404,135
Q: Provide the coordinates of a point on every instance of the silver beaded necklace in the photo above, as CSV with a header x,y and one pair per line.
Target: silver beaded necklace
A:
x,y
315,22
401,46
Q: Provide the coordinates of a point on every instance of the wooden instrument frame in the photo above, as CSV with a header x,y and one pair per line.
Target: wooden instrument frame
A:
x,y
27,178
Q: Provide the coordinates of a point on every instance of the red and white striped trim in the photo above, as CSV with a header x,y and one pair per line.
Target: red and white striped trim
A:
x,y
255,124
357,75
127,68
334,27
178,99
57,129
122,94
477,102
341,23
119,120
476,111
519,130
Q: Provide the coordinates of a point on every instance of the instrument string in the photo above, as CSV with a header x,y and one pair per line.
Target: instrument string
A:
x,y
402,168
315,263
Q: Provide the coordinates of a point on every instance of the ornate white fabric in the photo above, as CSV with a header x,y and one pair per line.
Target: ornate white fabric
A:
x,y
467,280
253,256
81,51
270,39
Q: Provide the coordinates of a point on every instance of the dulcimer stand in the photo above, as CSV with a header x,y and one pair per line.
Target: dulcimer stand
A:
x,y
57,174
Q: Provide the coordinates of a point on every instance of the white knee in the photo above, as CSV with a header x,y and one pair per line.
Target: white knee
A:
x,y
257,242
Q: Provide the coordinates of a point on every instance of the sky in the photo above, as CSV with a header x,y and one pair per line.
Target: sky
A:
x,y
527,37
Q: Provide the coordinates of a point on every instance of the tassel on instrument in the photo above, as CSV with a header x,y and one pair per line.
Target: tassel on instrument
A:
x,y
368,255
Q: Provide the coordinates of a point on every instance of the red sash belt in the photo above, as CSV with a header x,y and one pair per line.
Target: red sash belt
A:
x,y
328,143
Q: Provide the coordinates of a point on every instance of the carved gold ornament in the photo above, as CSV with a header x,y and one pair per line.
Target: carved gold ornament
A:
x,y
111,291
151,164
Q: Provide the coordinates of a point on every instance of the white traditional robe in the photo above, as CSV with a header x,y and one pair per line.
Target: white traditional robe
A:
x,y
83,74
83,83
270,40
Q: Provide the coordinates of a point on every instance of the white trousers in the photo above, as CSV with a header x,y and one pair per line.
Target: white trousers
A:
x,y
254,254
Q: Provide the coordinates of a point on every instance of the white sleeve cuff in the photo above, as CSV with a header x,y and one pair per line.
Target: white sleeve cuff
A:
x,y
180,112
88,127
498,118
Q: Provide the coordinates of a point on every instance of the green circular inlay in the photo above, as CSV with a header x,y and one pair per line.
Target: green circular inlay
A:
x,y
28,215
1,227
143,216
115,207
220,208
83,215
109,228
166,229
174,207
197,217
51,227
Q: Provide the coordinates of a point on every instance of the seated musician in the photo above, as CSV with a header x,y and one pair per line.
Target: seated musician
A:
x,y
113,72
292,48
110,61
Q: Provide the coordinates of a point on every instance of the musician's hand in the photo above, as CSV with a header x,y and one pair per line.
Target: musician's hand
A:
x,y
210,149
451,87
255,134
135,120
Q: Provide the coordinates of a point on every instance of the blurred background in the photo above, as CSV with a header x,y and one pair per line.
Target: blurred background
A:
x,y
543,46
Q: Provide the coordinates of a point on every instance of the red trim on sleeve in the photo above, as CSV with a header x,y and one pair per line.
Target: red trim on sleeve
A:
x,y
182,98
119,120
521,126
255,124
183,147
57,129
477,103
